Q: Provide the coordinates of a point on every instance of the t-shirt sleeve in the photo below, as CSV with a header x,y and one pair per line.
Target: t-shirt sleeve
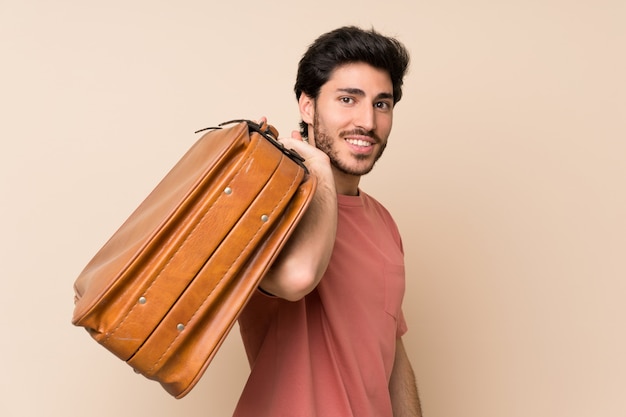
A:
x,y
402,327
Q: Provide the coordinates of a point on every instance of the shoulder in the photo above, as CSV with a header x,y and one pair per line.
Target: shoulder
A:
x,y
374,205
381,212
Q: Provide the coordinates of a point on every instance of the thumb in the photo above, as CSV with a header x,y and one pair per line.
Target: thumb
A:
x,y
296,135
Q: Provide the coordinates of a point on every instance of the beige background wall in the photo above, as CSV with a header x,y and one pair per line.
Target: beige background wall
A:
x,y
505,172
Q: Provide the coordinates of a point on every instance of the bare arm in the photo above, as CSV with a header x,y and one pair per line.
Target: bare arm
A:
x,y
402,386
303,261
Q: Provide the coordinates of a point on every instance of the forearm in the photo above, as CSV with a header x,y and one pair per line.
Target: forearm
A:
x,y
303,261
403,387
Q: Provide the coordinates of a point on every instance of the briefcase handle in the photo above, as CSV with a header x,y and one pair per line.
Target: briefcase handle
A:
x,y
269,132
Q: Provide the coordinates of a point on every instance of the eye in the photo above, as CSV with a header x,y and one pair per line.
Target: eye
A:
x,y
346,100
383,105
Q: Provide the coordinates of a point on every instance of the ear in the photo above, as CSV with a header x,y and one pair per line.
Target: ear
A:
x,y
307,108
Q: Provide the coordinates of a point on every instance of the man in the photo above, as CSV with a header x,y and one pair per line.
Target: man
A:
x,y
323,333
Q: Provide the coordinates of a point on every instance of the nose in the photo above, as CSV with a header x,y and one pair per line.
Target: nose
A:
x,y
366,118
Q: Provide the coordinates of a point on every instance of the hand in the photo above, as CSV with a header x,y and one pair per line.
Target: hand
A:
x,y
315,160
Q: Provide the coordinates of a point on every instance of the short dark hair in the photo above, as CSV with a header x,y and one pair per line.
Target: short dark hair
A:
x,y
349,44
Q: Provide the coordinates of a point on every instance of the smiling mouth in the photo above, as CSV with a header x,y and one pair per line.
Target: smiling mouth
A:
x,y
358,142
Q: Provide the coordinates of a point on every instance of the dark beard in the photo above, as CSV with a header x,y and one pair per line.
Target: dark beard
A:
x,y
324,142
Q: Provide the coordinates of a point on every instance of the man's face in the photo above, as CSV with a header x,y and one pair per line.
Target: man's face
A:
x,y
353,117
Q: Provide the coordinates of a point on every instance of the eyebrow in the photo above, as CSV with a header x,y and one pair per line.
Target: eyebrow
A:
x,y
361,93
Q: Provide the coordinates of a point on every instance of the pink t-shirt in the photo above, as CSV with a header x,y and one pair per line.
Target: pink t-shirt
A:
x,y
331,353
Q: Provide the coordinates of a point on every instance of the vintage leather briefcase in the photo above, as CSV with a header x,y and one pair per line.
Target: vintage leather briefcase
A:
x,y
165,290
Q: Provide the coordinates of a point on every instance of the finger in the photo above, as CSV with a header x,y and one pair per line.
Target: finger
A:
x,y
295,134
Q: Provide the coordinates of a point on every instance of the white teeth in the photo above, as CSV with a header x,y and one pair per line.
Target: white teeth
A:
x,y
358,142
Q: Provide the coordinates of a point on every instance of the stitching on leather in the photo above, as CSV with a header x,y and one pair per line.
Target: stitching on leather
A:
x,y
186,239
291,186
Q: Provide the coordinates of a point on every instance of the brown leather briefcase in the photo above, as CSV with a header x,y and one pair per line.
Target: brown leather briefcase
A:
x,y
165,290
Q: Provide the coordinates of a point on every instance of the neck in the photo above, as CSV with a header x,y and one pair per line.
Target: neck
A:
x,y
346,184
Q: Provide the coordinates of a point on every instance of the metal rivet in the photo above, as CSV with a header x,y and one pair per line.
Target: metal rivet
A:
x,y
228,190
265,217
180,327
142,300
